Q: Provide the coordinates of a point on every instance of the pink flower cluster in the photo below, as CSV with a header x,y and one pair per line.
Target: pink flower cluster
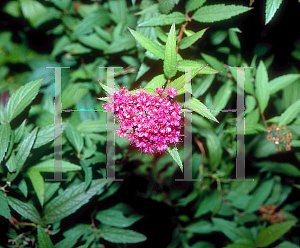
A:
x,y
150,122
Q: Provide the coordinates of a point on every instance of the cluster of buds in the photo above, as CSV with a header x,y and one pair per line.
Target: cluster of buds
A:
x,y
149,121
269,214
279,137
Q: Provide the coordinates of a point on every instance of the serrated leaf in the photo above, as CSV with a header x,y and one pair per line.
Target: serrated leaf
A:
x,y
166,5
75,138
190,63
175,155
26,210
22,98
163,20
161,34
214,63
188,41
48,166
118,235
149,44
201,109
272,233
193,4
289,114
284,168
271,8
282,82
43,238
261,86
218,12
4,209
4,139
156,82
69,201
38,184
116,218
170,61
19,132
23,153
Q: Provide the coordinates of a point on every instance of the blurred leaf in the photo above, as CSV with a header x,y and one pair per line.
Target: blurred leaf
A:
x,y
4,209
23,187
118,235
261,85
281,82
201,227
21,98
48,166
23,153
4,139
26,210
222,97
272,233
75,138
193,4
233,38
175,155
76,48
161,34
284,168
12,8
287,244
226,227
289,114
170,61
116,218
63,205
62,4
88,174
43,238
38,184
214,63
149,44
188,41
189,63
93,40
218,12
166,5
163,20
260,196
271,8
250,104
210,203
73,93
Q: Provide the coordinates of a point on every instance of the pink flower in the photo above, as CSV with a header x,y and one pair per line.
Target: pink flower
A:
x,y
148,121
171,91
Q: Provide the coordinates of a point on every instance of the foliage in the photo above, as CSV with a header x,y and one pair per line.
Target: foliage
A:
x,y
149,42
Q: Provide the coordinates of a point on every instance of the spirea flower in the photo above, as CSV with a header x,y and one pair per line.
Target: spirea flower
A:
x,y
150,122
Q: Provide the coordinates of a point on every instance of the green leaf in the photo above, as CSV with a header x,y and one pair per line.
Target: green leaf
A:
x,y
170,61
19,132
62,4
289,114
26,210
118,235
189,63
210,203
222,97
175,155
272,233
116,218
226,227
75,138
12,8
201,109
88,174
46,134
149,44
22,98
188,41
250,103
156,82
287,244
48,166
260,195
23,187
72,94
23,153
295,143
161,34
76,48
94,41
43,238
166,5
193,4
284,168
4,209
214,63
201,227
271,8
163,20
282,82
261,84
218,12
69,201
38,184
4,139
91,126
